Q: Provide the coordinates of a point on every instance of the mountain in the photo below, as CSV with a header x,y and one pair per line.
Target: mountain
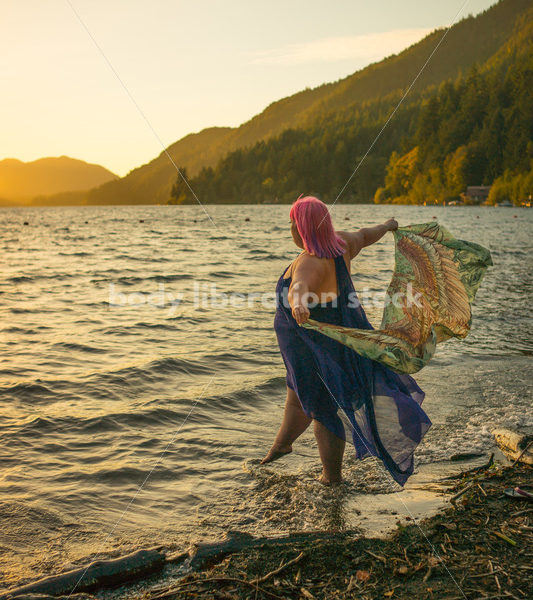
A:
x,y
345,115
467,131
22,181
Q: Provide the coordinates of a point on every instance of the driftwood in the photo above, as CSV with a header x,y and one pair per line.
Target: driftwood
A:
x,y
209,553
515,445
99,574
108,573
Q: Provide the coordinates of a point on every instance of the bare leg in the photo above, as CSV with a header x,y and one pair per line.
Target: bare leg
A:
x,y
294,423
331,450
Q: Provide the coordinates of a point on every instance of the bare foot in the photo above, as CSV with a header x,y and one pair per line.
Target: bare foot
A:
x,y
328,481
276,452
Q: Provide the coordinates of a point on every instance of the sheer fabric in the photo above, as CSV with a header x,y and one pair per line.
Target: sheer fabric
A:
x,y
382,409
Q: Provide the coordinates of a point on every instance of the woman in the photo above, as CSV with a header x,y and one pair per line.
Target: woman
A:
x,y
380,408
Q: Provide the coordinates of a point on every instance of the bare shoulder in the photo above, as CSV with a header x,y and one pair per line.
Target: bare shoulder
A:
x,y
309,262
303,256
309,268
355,241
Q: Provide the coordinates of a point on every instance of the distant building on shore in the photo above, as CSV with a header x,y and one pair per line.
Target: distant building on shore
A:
x,y
476,194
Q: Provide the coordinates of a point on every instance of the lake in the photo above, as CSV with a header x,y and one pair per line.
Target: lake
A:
x,y
138,350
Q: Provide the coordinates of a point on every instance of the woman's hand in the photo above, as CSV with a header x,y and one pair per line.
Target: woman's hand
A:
x,y
391,224
300,313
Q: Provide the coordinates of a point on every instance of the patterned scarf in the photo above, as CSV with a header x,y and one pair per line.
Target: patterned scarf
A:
x,y
428,301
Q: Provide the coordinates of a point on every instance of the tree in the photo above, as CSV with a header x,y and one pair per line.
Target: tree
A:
x,y
455,171
180,191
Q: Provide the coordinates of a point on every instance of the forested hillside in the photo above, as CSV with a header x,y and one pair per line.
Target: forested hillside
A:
x,y
317,159
478,131
468,131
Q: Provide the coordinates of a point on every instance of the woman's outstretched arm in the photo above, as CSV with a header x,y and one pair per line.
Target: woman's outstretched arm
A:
x,y
366,236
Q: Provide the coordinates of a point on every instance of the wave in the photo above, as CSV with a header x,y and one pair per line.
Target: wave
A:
x,y
270,256
171,365
16,329
72,431
143,258
20,279
28,390
119,475
162,326
136,279
189,320
139,377
35,278
222,274
78,347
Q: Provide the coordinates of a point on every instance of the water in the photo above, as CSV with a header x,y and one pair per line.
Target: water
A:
x,y
123,366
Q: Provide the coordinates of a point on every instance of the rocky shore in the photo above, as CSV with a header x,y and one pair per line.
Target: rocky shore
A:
x,y
478,547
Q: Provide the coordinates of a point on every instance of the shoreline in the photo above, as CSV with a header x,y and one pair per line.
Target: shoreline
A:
x,y
475,547
15,204
479,531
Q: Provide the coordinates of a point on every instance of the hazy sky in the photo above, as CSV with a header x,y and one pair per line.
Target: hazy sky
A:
x,y
188,65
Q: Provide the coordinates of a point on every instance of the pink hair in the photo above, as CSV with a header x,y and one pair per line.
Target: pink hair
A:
x,y
314,225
